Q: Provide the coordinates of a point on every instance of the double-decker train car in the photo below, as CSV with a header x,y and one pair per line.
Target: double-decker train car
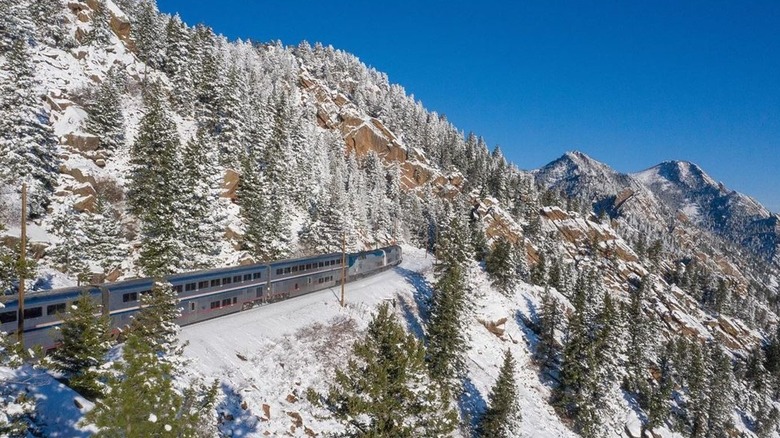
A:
x,y
203,294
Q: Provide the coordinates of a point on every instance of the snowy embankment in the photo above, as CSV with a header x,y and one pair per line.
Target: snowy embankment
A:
x,y
266,358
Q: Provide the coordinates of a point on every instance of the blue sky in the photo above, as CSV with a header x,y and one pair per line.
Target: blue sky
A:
x,y
629,83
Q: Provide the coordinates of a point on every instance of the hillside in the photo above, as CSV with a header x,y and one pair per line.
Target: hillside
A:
x,y
151,147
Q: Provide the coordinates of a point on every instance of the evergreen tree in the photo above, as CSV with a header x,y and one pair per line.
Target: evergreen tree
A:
x,y
154,194
27,142
446,344
539,271
638,340
105,113
658,406
83,345
199,224
696,380
148,28
502,418
100,33
385,389
156,322
720,389
500,265
141,399
547,349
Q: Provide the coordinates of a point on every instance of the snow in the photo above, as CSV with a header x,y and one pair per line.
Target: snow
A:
x,y
71,120
57,406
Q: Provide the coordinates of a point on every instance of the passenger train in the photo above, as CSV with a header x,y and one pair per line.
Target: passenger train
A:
x,y
203,294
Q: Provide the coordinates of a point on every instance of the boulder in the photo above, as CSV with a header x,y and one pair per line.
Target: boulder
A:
x,y
82,141
78,174
230,184
84,189
86,203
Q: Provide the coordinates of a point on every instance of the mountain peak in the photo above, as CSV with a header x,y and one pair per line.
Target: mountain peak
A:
x,y
681,173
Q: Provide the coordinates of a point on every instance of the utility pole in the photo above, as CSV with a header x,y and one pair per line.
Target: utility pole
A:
x,y
22,267
343,265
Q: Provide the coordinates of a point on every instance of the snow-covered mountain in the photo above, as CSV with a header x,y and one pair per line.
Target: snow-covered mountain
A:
x,y
262,151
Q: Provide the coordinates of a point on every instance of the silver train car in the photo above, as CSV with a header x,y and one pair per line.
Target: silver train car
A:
x,y
203,294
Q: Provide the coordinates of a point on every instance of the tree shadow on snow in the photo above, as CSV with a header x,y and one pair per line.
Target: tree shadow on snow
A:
x,y
471,404
232,418
527,324
413,322
422,290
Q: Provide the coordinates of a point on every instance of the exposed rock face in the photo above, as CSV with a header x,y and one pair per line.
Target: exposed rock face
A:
x,y
86,203
82,141
365,134
230,184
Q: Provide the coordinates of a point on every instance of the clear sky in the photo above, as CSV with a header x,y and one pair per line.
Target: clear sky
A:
x,y
629,83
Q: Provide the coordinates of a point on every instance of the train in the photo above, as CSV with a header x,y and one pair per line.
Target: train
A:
x,y
203,295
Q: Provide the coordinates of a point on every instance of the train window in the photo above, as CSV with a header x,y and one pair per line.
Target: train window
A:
x,y
338,261
279,271
287,270
235,300
215,282
256,275
132,296
144,292
320,280
296,286
227,280
203,284
259,292
247,277
53,309
295,269
322,264
308,266
226,302
192,306
215,304
308,280
177,288
35,312
189,287
236,279
7,317
302,267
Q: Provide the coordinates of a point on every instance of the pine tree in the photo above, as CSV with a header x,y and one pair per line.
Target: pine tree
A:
x,y
547,348
638,340
658,406
500,265
502,418
385,389
720,389
199,220
17,405
27,142
696,380
539,271
446,344
156,322
83,346
100,34
105,113
141,400
154,194
148,28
